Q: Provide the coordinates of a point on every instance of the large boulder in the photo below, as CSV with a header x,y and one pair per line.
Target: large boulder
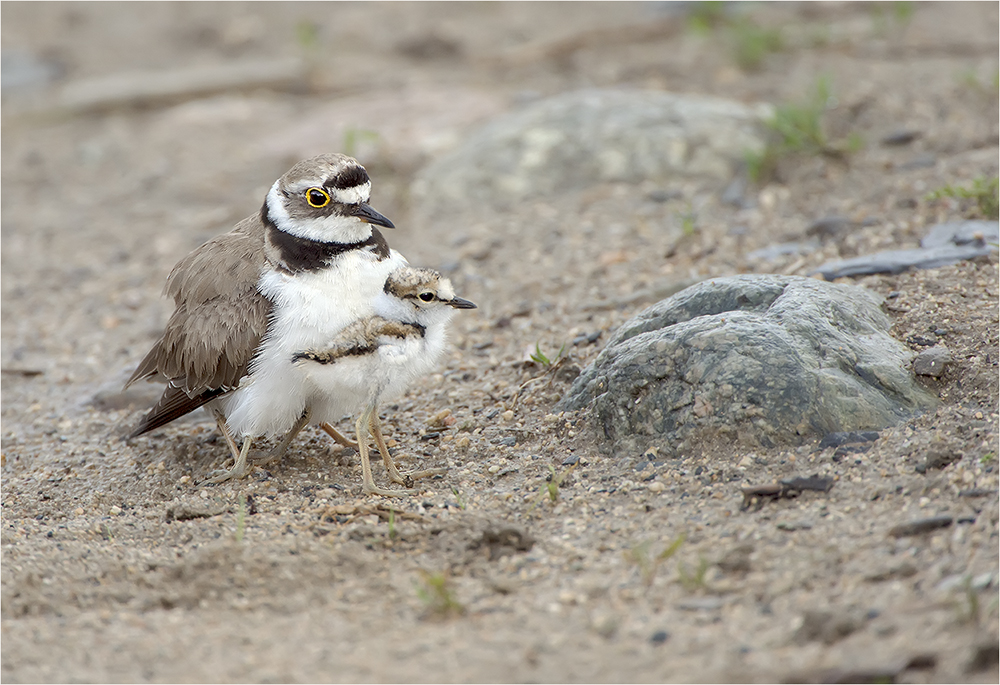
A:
x,y
577,139
755,359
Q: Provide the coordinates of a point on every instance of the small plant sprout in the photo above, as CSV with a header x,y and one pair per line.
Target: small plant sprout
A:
x,y
392,523
458,498
753,43
988,458
641,556
550,488
797,129
435,591
984,193
695,580
540,357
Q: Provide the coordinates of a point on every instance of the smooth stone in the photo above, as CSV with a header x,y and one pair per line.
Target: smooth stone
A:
x,y
752,359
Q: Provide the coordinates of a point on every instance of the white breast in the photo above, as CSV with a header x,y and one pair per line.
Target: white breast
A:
x,y
309,309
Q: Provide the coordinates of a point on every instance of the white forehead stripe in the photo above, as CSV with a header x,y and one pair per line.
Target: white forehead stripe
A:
x,y
352,196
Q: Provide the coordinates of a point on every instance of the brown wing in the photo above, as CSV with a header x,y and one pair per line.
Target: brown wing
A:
x,y
215,329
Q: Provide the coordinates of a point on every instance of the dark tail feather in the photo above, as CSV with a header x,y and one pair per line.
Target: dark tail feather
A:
x,y
173,404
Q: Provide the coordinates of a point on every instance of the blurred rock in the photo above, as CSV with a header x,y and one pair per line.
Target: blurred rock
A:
x,y
144,88
759,358
897,261
944,244
977,233
397,126
574,140
23,70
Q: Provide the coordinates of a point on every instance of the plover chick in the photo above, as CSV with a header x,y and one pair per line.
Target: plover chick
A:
x,y
376,358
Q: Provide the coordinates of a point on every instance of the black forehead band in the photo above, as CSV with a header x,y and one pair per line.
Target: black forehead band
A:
x,y
348,178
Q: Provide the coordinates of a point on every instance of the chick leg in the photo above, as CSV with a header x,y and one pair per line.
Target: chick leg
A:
x,y
395,476
337,436
361,428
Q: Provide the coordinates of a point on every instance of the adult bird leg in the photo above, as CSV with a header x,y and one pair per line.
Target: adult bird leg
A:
x,y
279,451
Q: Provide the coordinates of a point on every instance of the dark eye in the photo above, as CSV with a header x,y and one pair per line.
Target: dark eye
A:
x,y
426,296
317,197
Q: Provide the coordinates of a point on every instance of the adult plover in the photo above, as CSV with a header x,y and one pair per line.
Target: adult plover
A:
x,y
286,279
376,358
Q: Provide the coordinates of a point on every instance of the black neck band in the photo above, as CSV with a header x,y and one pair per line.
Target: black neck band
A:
x,y
302,254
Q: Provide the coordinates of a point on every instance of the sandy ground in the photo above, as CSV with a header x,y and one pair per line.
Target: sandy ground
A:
x,y
119,565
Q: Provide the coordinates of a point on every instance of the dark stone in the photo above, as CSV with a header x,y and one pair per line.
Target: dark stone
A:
x,y
839,438
984,655
829,226
920,526
902,137
659,637
825,626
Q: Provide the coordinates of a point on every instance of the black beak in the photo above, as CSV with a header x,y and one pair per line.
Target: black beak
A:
x,y
459,303
364,212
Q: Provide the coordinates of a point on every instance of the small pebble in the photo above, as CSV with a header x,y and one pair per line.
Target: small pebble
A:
x,y
463,442
931,362
203,494
659,637
494,469
79,511
656,487
507,416
114,511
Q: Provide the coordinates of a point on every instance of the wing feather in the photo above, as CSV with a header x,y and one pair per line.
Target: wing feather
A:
x,y
214,332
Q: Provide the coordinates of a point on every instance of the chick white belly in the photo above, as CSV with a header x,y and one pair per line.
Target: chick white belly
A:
x,y
354,382
309,309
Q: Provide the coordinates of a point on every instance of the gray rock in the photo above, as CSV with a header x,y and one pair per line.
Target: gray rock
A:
x,y
931,362
760,358
897,261
574,140
944,244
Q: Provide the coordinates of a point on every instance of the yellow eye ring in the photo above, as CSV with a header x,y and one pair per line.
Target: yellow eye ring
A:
x,y
317,197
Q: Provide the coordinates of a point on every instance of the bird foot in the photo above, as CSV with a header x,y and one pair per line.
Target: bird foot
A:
x,y
406,478
376,490
222,475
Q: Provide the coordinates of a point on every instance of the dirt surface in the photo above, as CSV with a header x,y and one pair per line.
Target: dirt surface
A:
x,y
119,565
